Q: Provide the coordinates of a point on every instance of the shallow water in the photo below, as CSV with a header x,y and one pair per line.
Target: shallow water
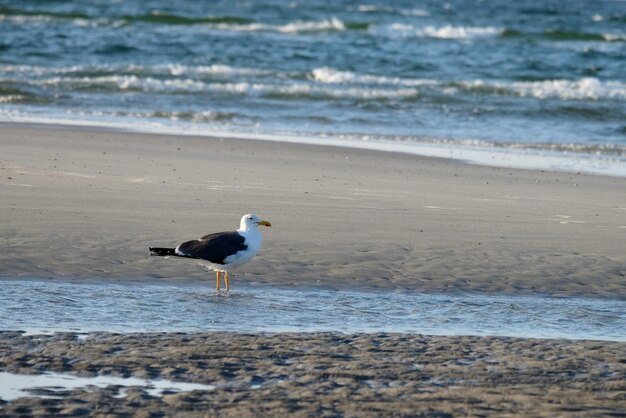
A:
x,y
54,385
49,306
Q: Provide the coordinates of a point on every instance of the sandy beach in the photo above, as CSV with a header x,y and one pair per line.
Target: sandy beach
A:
x,y
445,182
82,205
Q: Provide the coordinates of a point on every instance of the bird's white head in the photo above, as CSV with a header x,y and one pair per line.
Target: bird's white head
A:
x,y
251,222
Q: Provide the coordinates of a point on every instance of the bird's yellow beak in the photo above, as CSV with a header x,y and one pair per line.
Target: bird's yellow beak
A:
x,y
264,223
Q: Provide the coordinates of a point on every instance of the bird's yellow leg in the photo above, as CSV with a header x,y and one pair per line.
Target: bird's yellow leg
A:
x,y
217,276
226,280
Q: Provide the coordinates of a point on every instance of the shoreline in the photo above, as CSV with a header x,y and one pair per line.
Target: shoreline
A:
x,y
86,203
513,157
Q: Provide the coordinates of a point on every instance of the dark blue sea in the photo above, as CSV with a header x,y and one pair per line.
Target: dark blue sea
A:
x,y
531,83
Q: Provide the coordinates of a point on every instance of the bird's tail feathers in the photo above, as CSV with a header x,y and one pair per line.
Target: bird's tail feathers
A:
x,y
162,251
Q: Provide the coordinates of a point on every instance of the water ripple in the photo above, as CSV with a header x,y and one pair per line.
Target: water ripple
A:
x,y
56,306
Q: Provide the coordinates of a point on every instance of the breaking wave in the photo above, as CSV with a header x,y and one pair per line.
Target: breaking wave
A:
x,y
333,76
404,30
319,82
328,25
331,24
228,23
583,89
137,70
293,90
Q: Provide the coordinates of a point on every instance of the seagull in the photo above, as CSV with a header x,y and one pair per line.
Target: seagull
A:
x,y
222,251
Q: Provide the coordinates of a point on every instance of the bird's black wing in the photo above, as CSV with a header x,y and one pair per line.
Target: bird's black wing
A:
x,y
214,247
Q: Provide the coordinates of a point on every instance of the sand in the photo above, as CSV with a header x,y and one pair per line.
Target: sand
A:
x,y
83,204
327,375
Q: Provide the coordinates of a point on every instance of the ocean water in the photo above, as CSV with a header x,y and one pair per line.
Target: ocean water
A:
x,y
38,306
533,78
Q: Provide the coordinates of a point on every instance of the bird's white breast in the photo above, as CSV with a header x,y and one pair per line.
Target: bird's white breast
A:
x,y
253,241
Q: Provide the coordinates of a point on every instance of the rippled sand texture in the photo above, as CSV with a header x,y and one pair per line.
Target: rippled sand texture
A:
x,y
83,204
326,375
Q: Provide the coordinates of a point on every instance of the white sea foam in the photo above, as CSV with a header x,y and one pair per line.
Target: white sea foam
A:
x,y
334,76
140,79
227,69
614,37
129,82
202,116
173,69
414,12
215,69
299,26
601,150
588,88
404,30
188,85
11,98
22,19
332,24
43,18
302,89
34,70
368,8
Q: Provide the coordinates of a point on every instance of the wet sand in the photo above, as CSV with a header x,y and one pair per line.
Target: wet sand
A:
x,y
326,374
82,204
